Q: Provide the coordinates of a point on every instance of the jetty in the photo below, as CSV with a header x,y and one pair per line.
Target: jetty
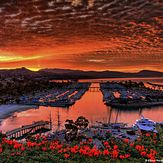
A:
x,y
135,104
156,86
60,97
130,94
24,131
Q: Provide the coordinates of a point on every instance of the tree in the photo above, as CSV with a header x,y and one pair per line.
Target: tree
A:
x,y
72,128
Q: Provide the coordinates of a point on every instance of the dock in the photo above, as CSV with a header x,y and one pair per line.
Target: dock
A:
x,y
156,86
31,129
121,95
60,97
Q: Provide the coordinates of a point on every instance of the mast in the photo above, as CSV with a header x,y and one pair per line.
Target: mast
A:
x,y
50,121
58,121
110,115
116,119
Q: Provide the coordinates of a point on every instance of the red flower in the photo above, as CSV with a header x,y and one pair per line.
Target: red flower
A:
x,y
44,149
60,151
64,150
151,157
147,134
143,153
105,152
52,147
83,151
154,134
90,140
124,156
127,155
1,150
152,151
17,145
126,140
73,150
106,143
139,147
96,153
90,154
37,136
9,142
121,157
85,142
59,146
86,147
31,144
22,149
66,155
44,137
131,144
115,147
115,154
76,147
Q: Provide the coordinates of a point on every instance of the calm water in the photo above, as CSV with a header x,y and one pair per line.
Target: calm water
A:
x,y
90,105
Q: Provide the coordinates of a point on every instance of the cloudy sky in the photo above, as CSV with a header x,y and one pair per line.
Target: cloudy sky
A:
x,y
124,35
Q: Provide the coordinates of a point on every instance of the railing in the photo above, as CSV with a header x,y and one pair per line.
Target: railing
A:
x,y
32,128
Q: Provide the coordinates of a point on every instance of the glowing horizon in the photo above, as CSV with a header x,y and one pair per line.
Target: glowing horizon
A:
x,y
79,35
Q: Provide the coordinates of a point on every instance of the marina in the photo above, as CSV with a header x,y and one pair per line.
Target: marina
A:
x,y
81,81
61,97
119,130
87,98
130,95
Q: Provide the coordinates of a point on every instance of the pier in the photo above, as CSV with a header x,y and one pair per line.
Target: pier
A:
x,y
60,97
34,128
94,89
120,95
156,86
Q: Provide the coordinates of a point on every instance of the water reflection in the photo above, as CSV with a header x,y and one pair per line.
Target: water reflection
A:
x,y
90,105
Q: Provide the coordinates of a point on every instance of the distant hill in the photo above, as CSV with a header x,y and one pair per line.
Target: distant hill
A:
x,y
16,72
101,74
149,73
59,71
76,74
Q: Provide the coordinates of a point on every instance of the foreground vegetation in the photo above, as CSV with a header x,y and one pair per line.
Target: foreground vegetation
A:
x,y
148,146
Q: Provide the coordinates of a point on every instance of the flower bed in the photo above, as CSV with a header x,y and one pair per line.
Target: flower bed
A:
x,y
38,149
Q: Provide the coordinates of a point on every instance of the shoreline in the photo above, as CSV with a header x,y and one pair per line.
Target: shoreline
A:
x,y
9,109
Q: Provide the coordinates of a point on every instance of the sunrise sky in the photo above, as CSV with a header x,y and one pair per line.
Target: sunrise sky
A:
x,y
123,35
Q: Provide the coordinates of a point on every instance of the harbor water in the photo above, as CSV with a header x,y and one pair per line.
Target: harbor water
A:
x,y
90,106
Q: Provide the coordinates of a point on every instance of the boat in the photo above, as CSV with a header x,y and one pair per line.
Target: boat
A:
x,y
146,124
